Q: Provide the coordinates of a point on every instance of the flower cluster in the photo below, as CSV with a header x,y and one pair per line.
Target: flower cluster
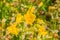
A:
x,y
29,19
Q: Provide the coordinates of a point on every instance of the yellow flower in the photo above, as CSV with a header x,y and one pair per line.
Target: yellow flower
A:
x,y
40,4
12,29
41,28
19,18
42,31
31,9
29,18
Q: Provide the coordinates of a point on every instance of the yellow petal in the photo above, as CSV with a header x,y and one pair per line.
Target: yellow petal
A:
x,y
40,4
19,18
